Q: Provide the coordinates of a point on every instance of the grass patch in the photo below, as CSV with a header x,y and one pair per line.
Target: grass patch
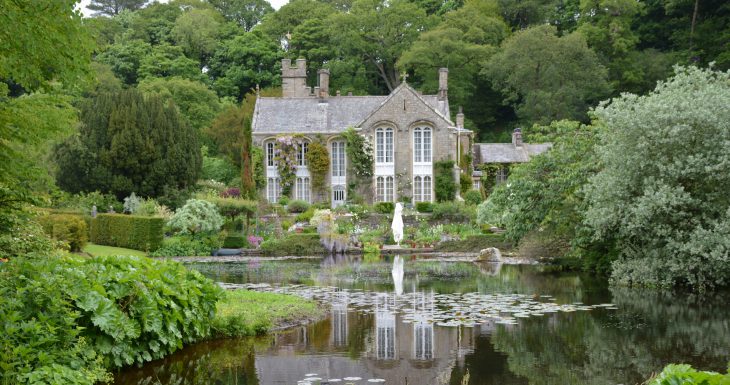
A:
x,y
246,313
104,251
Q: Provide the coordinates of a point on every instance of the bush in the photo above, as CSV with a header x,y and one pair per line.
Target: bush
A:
x,y
197,216
454,211
384,207
473,197
187,246
83,202
297,206
685,374
424,207
130,231
293,244
67,228
465,182
67,319
235,242
305,216
26,236
445,187
233,207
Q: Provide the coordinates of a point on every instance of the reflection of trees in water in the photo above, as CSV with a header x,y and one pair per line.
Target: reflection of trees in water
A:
x,y
649,330
229,361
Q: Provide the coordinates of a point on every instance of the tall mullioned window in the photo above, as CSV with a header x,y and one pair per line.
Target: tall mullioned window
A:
x,y
302,154
273,190
384,145
422,188
270,154
338,158
422,145
384,186
303,190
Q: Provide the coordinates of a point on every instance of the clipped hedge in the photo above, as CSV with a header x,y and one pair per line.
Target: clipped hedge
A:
x,y
424,207
68,228
130,231
384,207
293,245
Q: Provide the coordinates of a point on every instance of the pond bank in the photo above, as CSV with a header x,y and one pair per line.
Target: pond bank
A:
x,y
242,313
508,259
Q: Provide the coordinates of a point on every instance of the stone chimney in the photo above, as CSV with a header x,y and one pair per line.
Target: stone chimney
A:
x,y
443,83
460,118
517,137
294,79
324,83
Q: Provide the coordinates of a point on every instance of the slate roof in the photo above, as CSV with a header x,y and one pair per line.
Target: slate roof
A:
x,y
310,115
507,152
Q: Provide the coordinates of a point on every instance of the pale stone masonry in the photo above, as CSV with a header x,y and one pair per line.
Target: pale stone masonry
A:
x,y
409,132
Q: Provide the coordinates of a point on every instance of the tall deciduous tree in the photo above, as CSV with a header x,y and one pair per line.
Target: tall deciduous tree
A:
x,y
378,32
245,13
114,7
196,102
129,143
661,195
548,77
196,31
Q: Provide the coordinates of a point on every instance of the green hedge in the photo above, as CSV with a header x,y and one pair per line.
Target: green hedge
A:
x,y
234,242
424,207
293,244
68,228
384,207
132,232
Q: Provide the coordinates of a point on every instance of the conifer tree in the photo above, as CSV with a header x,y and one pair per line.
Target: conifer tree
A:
x,y
129,143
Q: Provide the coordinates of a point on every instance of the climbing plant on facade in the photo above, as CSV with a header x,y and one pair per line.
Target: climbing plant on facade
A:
x,y
360,152
318,162
285,156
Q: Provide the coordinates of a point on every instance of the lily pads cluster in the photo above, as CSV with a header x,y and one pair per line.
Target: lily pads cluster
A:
x,y
312,379
448,310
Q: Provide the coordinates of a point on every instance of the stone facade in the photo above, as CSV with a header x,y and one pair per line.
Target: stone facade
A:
x,y
409,133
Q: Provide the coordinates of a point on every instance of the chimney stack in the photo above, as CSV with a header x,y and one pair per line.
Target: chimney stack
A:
x,y
294,79
460,119
443,83
517,137
324,83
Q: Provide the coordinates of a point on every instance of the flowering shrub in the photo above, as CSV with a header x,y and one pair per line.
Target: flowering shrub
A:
x,y
285,156
232,192
360,152
255,241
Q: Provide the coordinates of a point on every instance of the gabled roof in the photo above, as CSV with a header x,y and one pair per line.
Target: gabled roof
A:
x,y
507,152
440,108
311,115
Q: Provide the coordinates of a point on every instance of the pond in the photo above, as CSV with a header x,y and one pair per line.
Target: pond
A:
x,y
584,332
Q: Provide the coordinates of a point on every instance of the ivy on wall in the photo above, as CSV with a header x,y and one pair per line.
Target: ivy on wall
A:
x,y
360,152
445,186
318,161
489,175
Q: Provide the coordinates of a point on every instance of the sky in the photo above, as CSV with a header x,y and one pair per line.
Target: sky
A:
x,y
83,3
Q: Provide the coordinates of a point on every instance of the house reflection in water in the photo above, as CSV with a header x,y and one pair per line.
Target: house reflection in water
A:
x,y
339,320
423,329
384,329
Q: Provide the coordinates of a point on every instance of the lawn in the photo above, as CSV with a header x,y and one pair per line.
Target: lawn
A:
x,y
100,250
247,313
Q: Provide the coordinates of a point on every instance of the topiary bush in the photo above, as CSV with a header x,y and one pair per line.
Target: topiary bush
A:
x,y
445,187
130,231
473,197
297,206
293,244
384,207
67,228
424,207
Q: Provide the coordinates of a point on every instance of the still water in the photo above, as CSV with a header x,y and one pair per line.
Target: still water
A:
x,y
621,345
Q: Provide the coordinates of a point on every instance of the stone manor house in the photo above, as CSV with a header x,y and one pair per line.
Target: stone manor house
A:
x,y
408,131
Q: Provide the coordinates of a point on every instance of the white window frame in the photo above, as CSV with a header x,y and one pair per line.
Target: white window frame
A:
x,y
501,175
384,145
422,145
338,162
422,188
273,189
303,189
302,149
270,151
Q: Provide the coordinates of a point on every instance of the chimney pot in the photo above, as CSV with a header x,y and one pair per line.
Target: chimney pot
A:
x,y
517,137
460,118
324,83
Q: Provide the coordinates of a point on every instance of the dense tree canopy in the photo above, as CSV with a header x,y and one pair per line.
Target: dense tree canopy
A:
x,y
128,143
662,192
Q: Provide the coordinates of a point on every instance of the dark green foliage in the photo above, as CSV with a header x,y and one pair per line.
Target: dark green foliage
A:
x,y
114,7
67,228
384,207
305,216
686,374
474,243
66,319
453,211
464,182
235,242
132,232
297,206
129,143
445,186
293,244
473,197
188,246
233,207
424,207
318,163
